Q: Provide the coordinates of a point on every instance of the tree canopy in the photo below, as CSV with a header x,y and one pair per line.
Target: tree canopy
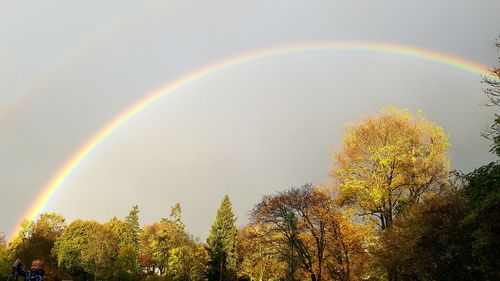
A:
x,y
389,161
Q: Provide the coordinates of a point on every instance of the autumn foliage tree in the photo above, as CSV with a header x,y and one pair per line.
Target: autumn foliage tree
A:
x,y
87,249
160,240
430,241
346,257
187,262
312,232
36,240
258,257
389,161
4,260
126,264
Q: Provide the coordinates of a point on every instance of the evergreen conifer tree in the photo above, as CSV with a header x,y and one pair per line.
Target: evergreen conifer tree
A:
x,y
132,221
222,244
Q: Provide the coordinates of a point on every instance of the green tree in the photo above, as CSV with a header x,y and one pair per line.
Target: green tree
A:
x,y
88,249
127,265
222,244
483,190
132,221
127,232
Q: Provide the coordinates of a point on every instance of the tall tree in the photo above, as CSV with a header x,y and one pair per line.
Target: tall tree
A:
x,y
132,221
222,244
389,161
483,190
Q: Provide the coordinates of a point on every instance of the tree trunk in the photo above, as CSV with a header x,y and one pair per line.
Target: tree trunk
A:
x,y
392,275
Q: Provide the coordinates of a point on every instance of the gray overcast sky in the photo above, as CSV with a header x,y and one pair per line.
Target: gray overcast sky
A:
x,y
69,67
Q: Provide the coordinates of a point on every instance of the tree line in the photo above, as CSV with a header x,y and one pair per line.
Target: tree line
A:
x,y
395,210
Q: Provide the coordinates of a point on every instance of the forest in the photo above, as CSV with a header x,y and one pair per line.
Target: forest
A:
x,y
395,210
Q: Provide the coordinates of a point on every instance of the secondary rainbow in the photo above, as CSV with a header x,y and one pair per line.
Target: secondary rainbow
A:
x,y
376,48
71,56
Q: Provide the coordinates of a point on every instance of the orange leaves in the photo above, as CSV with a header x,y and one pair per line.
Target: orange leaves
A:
x,y
308,231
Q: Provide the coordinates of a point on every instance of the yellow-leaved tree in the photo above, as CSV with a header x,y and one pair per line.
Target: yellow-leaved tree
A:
x,y
389,161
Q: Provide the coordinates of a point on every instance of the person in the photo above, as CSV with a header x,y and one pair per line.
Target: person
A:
x,y
35,273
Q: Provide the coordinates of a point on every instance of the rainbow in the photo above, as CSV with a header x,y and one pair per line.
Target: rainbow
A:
x,y
88,43
119,121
